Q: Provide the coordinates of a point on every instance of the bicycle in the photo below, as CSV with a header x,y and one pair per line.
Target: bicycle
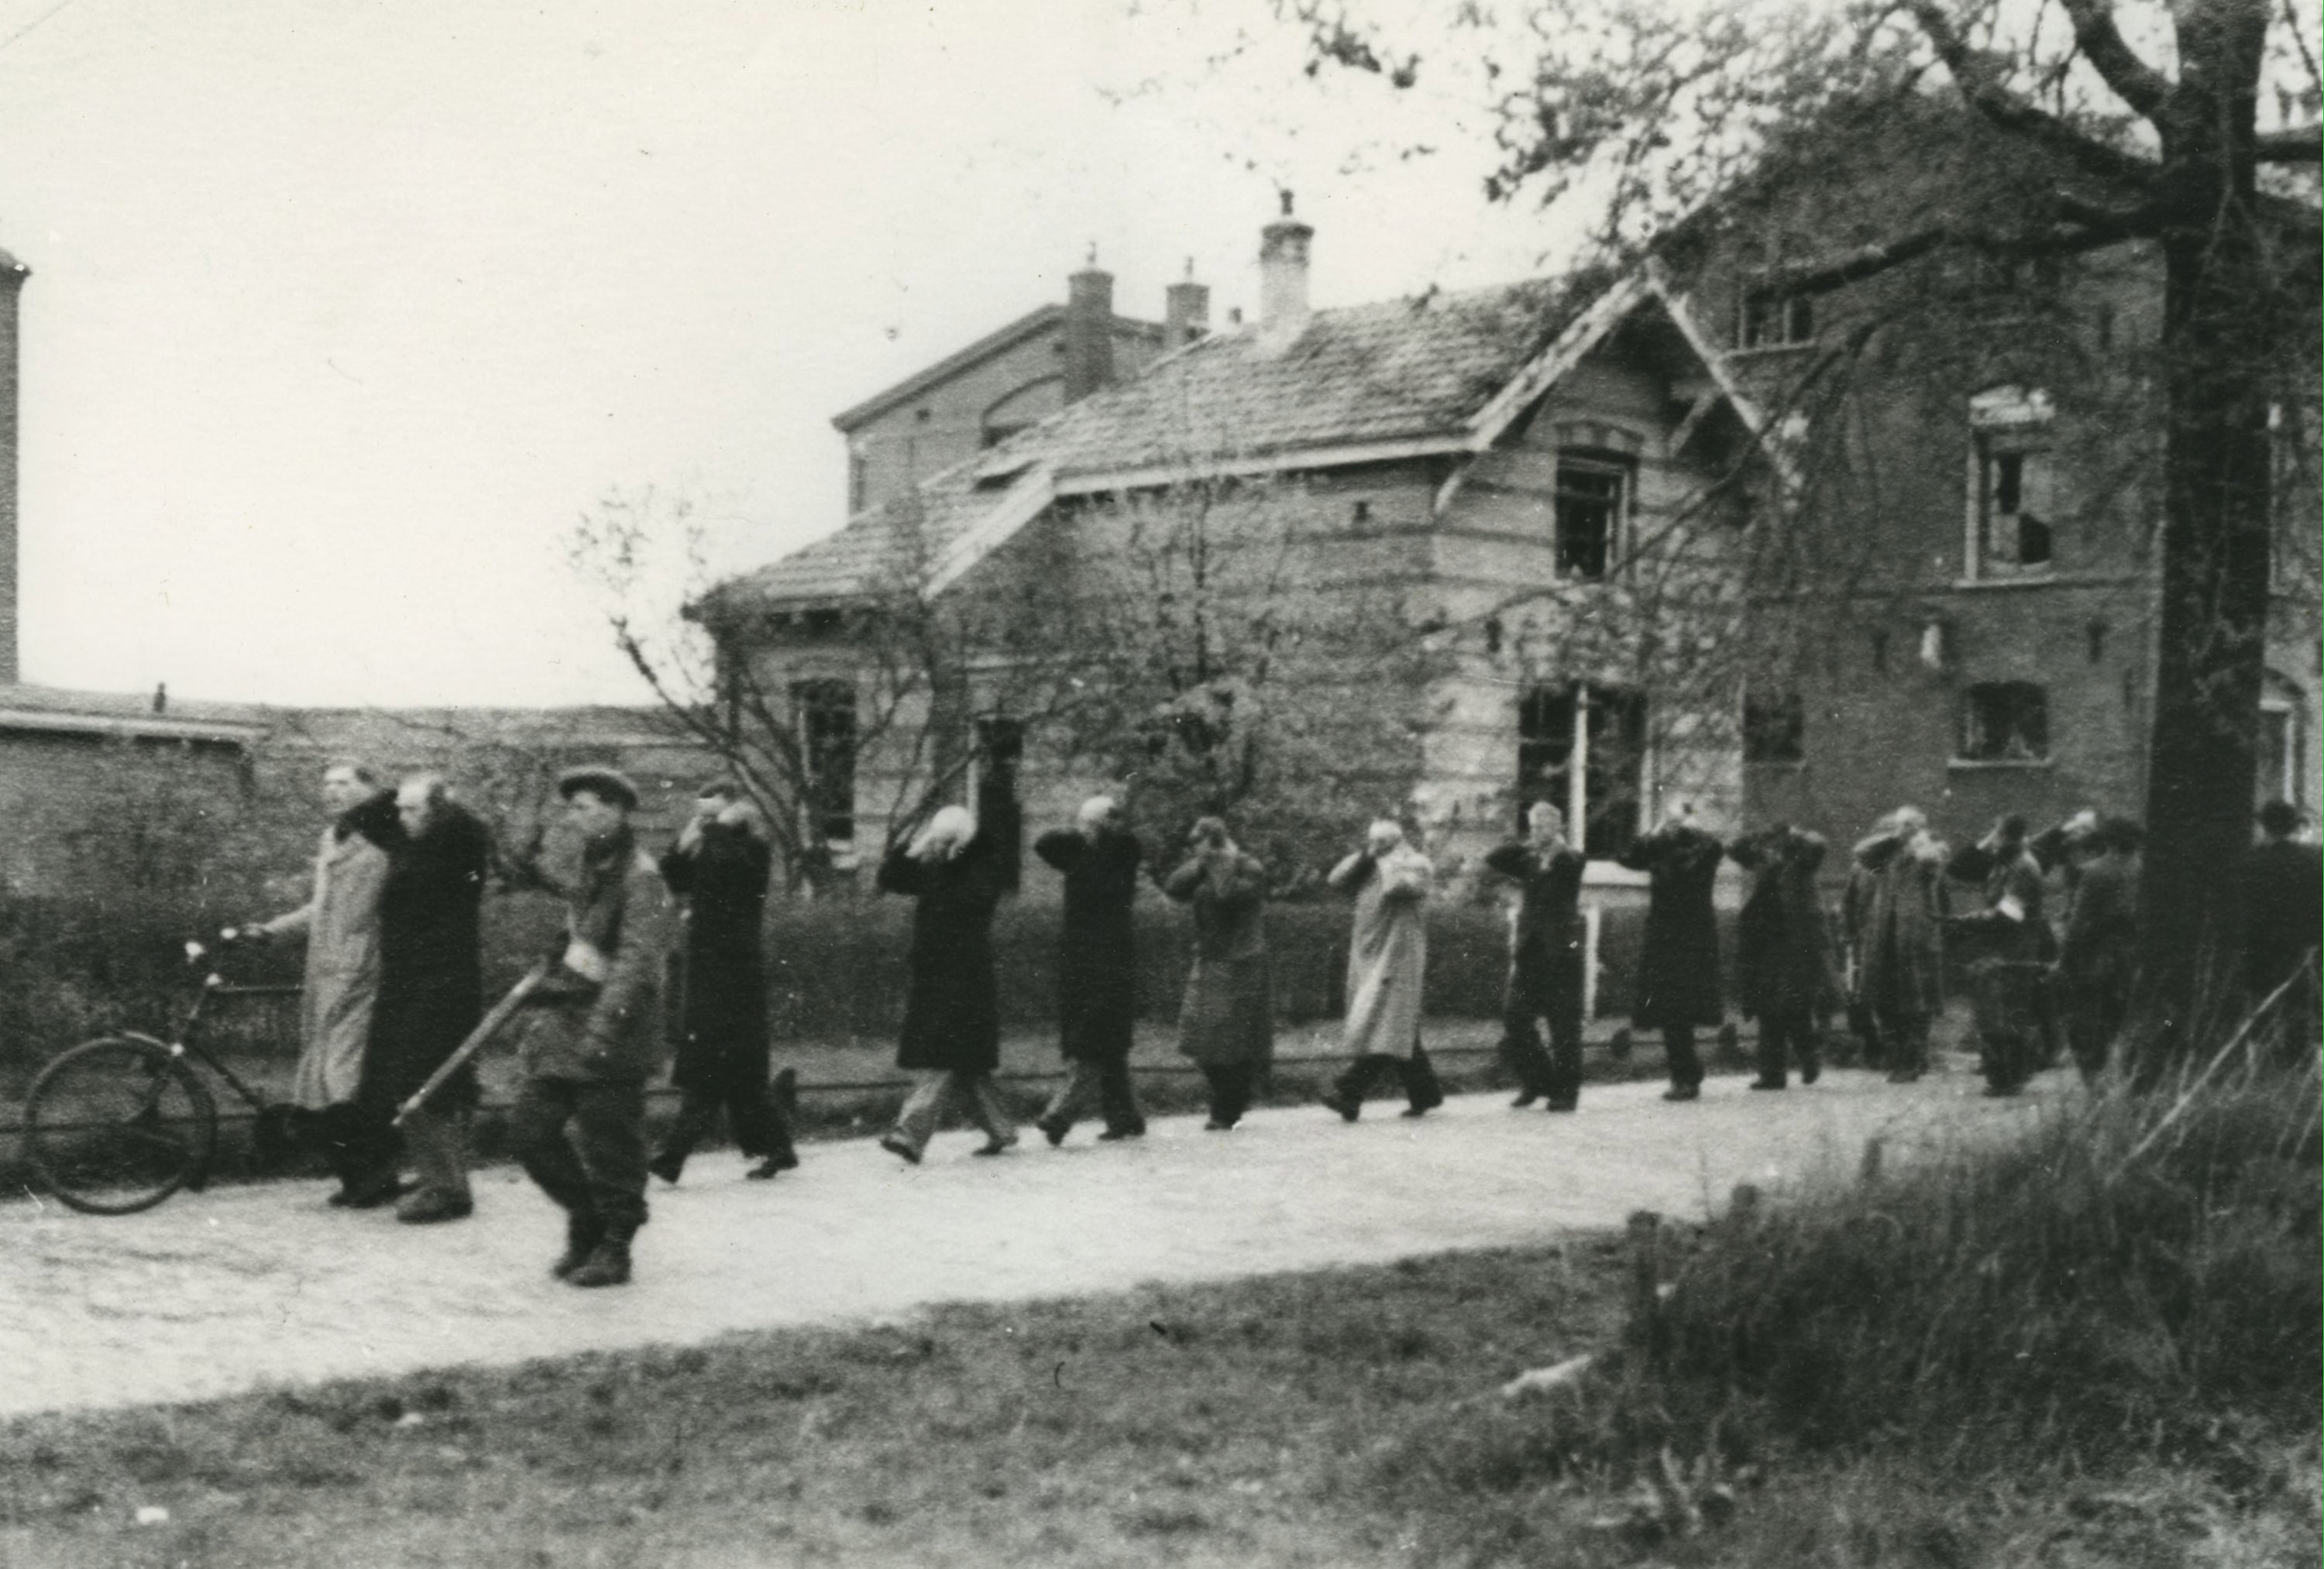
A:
x,y
118,1124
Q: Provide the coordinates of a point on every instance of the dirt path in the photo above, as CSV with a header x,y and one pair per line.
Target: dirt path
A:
x,y
247,1286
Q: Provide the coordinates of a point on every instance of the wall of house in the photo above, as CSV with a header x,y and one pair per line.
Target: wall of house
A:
x,y
945,424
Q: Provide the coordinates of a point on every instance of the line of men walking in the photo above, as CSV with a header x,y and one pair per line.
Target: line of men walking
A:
x,y
393,977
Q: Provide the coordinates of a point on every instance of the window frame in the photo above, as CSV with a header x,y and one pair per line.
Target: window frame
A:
x,y
2009,422
1966,716
811,701
1595,462
1794,719
1625,708
1771,314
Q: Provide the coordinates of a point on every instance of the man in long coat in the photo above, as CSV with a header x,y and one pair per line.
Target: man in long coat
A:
x,y
2013,946
1545,959
1226,1020
719,866
1097,970
2100,957
1904,938
1388,966
1784,959
430,990
951,1040
1678,972
340,922
594,1036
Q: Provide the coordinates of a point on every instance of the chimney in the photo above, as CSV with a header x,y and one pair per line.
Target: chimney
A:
x,y
1089,331
1283,279
1185,311
12,274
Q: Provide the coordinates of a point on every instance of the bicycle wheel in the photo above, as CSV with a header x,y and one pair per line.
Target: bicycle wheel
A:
x,y
117,1125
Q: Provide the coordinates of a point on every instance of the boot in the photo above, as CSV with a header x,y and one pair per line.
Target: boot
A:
x,y
582,1235
608,1264
432,1205
668,1165
1348,1107
1053,1129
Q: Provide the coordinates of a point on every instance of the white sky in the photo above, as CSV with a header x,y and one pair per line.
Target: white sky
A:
x,y
342,309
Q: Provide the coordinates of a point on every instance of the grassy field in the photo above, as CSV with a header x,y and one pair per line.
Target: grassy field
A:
x,y
1336,1419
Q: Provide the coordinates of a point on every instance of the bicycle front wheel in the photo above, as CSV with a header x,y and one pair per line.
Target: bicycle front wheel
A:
x,y
117,1125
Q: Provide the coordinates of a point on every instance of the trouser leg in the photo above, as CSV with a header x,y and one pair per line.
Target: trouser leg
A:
x,y
697,1113
1355,1079
1420,1086
1906,1038
761,1131
915,1119
1678,1048
607,1132
988,1107
1564,1082
537,1138
1520,1049
1229,1085
359,1142
438,1140
1118,1098
1081,1087
1775,1036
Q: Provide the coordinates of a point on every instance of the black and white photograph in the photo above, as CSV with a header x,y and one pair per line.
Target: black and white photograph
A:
x,y
1424,783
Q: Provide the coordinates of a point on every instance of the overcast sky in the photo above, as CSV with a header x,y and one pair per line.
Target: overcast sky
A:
x,y
340,312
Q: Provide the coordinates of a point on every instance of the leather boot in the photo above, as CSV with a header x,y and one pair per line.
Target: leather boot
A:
x,y
608,1264
582,1235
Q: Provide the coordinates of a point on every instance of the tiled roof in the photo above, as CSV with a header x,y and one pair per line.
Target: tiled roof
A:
x,y
1038,320
1400,371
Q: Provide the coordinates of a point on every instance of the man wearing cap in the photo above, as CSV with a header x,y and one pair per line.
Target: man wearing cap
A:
x,y
594,1036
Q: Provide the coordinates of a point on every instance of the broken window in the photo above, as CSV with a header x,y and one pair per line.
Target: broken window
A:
x,y
2014,508
1773,318
1594,771
1775,729
826,711
2004,722
1591,497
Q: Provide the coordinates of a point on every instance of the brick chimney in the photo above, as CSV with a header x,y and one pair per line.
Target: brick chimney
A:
x,y
1089,331
1283,278
1185,311
12,274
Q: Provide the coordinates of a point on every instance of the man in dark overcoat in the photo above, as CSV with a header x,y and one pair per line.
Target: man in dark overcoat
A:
x,y
431,989
2100,957
594,1036
2281,888
1678,972
951,1040
1226,1016
1904,939
2010,945
1097,970
719,868
1545,960
1784,965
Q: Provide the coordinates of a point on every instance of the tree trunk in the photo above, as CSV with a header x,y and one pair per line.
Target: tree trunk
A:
x,y
2218,349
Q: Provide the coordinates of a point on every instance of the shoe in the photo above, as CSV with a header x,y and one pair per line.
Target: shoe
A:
x,y
1619,1047
581,1240
896,1146
1218,1125
1565,1103
608,1264
1053,1129
1348,1107
1414,1112
429,1208
1115,1135
996,1146
667,1166
1811,1070
773,1166
1764,1082
1525,1097
1684,1092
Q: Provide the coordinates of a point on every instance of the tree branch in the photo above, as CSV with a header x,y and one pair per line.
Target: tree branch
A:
x,y
1983,86
2297,145
2139,85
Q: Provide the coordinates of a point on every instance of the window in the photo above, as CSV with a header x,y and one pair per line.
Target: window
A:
x,y
825,712
2013,512
859,483
1590,493
1000,813
1772,318
1594,772
1775,729
2004,722
2279,774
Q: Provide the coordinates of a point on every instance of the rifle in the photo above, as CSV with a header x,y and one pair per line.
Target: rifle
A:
x,y
478,1039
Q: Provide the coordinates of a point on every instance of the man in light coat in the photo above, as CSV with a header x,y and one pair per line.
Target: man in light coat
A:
x,y
340,921
594,1036
1388,965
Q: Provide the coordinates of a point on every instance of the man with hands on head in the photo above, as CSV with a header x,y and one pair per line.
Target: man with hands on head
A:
x,y
1387,965
1544,959
1226,1020
1097,970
